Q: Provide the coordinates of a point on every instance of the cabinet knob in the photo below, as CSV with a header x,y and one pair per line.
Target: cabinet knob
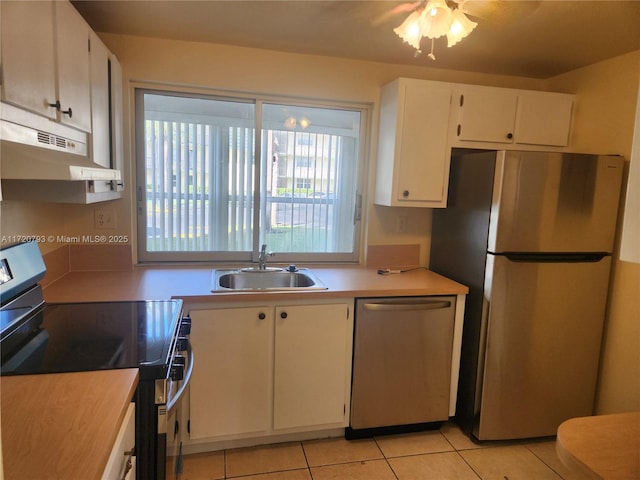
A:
x,y
67,112
405,193
262,316
56,105
283,315
509,136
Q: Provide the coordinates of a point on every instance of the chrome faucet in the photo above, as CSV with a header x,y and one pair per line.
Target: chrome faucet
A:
x,y
262,257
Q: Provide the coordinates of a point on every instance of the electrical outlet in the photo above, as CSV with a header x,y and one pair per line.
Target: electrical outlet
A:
x,y
401,223
104,218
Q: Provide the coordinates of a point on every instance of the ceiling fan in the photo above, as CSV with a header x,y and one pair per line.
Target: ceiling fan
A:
x,y
453,18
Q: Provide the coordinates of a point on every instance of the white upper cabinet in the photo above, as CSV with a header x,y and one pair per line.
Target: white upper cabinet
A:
x,y
421,121
544,118
28,60
106,116
72,56
486,115
100,138
511,117
413,156
45,61
117,128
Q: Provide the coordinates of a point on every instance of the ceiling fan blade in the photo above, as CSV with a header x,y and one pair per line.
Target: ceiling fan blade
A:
x,y
498,11
401,8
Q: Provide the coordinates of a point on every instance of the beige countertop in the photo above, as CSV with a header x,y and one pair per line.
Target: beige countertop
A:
x,y
194,283
62,425
603,446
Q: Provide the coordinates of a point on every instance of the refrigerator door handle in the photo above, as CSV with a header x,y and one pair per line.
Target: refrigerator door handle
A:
x,y
379,307
556,257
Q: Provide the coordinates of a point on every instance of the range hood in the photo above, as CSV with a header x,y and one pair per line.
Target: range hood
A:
x,y
36,148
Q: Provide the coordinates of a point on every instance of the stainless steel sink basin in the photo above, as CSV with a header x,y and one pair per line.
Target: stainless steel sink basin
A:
x,y
271,279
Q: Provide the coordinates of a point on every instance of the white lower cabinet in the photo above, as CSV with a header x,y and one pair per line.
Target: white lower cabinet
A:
x,y
270,369
230,384
312,370
121,463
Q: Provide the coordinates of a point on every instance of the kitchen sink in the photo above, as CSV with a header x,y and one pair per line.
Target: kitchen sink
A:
x,y
272,279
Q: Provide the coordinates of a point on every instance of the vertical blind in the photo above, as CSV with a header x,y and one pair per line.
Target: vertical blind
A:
x,y
200,177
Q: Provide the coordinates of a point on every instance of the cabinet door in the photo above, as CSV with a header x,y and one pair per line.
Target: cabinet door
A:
x,y
28,70
100,138
413,155
544,118
230,385
487,115
312,355
72,58
117,141
422,145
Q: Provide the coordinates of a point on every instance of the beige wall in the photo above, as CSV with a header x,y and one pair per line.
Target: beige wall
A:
x,y
604,123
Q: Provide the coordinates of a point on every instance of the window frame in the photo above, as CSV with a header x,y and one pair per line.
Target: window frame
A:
x,y
242,257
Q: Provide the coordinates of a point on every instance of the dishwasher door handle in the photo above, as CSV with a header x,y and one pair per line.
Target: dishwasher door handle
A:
x,y
381,307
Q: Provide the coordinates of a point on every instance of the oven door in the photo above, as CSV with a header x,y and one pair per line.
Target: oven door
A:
x,y
158,401
176,406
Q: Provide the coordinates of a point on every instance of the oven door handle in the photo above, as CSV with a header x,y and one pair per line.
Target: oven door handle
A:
x,y
187,378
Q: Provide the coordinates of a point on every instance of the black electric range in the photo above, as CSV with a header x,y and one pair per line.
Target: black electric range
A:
x,y
38,337
75,337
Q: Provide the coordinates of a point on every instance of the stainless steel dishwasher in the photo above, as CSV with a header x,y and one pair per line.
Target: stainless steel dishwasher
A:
x,y
401,363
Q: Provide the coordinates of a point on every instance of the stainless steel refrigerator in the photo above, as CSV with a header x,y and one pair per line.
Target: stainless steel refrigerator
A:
x,y
531,234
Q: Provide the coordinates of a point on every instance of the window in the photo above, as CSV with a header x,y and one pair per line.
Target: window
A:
x,y
217,177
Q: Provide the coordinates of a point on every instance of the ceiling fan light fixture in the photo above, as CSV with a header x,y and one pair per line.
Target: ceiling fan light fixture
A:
x,y
435,19
410,31
460,27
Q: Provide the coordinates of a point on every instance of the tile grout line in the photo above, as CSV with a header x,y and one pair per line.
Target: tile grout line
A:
x,y
306,459
386,459
543,461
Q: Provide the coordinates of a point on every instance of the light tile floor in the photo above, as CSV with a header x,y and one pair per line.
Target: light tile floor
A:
x,y
445,454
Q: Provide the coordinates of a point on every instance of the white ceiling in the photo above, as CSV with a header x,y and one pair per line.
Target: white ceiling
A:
x,y
537,39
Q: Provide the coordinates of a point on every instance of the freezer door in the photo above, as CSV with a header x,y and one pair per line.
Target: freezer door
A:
x,y
542,339
554,202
